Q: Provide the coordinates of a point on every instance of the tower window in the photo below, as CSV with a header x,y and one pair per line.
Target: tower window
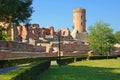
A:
x,y
81,17
77,32
81,23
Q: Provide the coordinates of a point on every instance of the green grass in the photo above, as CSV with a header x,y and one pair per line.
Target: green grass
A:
x,y
85,70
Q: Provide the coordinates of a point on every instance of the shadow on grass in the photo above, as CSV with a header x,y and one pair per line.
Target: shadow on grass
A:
x,y
81,73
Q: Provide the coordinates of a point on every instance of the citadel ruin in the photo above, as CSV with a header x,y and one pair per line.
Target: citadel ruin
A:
x,y
37,34
46,39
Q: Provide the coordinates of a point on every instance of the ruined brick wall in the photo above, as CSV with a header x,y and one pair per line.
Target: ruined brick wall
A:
x,y
9,54
69,49
39,48
4,54
9,49
35,26
34,33
27,54
22,31
74,47
15,46
83,37
3,45
51,30
65,32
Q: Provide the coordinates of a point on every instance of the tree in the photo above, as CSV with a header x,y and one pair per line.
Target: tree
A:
x,y
101,38
14,12
117,36
3,34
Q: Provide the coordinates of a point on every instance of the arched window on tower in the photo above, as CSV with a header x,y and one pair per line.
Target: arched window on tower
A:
x,y
81,23
77,32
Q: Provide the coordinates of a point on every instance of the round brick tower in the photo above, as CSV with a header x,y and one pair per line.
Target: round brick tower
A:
x,y
79,20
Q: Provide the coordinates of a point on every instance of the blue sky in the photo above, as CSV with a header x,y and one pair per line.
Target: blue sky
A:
x,y
58,13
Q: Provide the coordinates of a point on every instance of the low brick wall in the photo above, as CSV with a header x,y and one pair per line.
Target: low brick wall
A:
x,y
3,45
26,50
72,49
9,54
39,49
5,54
27,54
74,54
15,46
51,54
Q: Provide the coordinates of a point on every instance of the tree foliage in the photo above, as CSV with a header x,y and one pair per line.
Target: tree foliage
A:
x,y
101,38
3,35
14,11
117,36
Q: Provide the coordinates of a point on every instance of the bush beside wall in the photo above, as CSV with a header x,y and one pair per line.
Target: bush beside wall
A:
x,y
28,72
65,61
68,60
17,61
102,57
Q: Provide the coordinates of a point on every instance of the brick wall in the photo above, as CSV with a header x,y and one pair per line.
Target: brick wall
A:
x,y
72,47
9,54
3,45
15,46
39,49
5,54
15,49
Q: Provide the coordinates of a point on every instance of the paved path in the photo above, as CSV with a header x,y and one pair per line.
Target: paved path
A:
x,y
4,70
53,63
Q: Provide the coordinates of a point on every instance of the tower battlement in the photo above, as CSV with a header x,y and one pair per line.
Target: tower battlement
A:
x,y
79,10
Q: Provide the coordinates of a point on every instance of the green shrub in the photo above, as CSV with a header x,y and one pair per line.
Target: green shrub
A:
x,y
65,61
102,57
3,35
95,57
81,58
28,72
17,61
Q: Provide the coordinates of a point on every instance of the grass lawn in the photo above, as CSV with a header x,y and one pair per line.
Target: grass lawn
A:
x,y
85,70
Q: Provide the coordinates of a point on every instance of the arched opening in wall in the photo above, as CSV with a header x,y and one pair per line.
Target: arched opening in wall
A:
x,y
81,23
19,38
47,33
81,17
64,33
77,32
